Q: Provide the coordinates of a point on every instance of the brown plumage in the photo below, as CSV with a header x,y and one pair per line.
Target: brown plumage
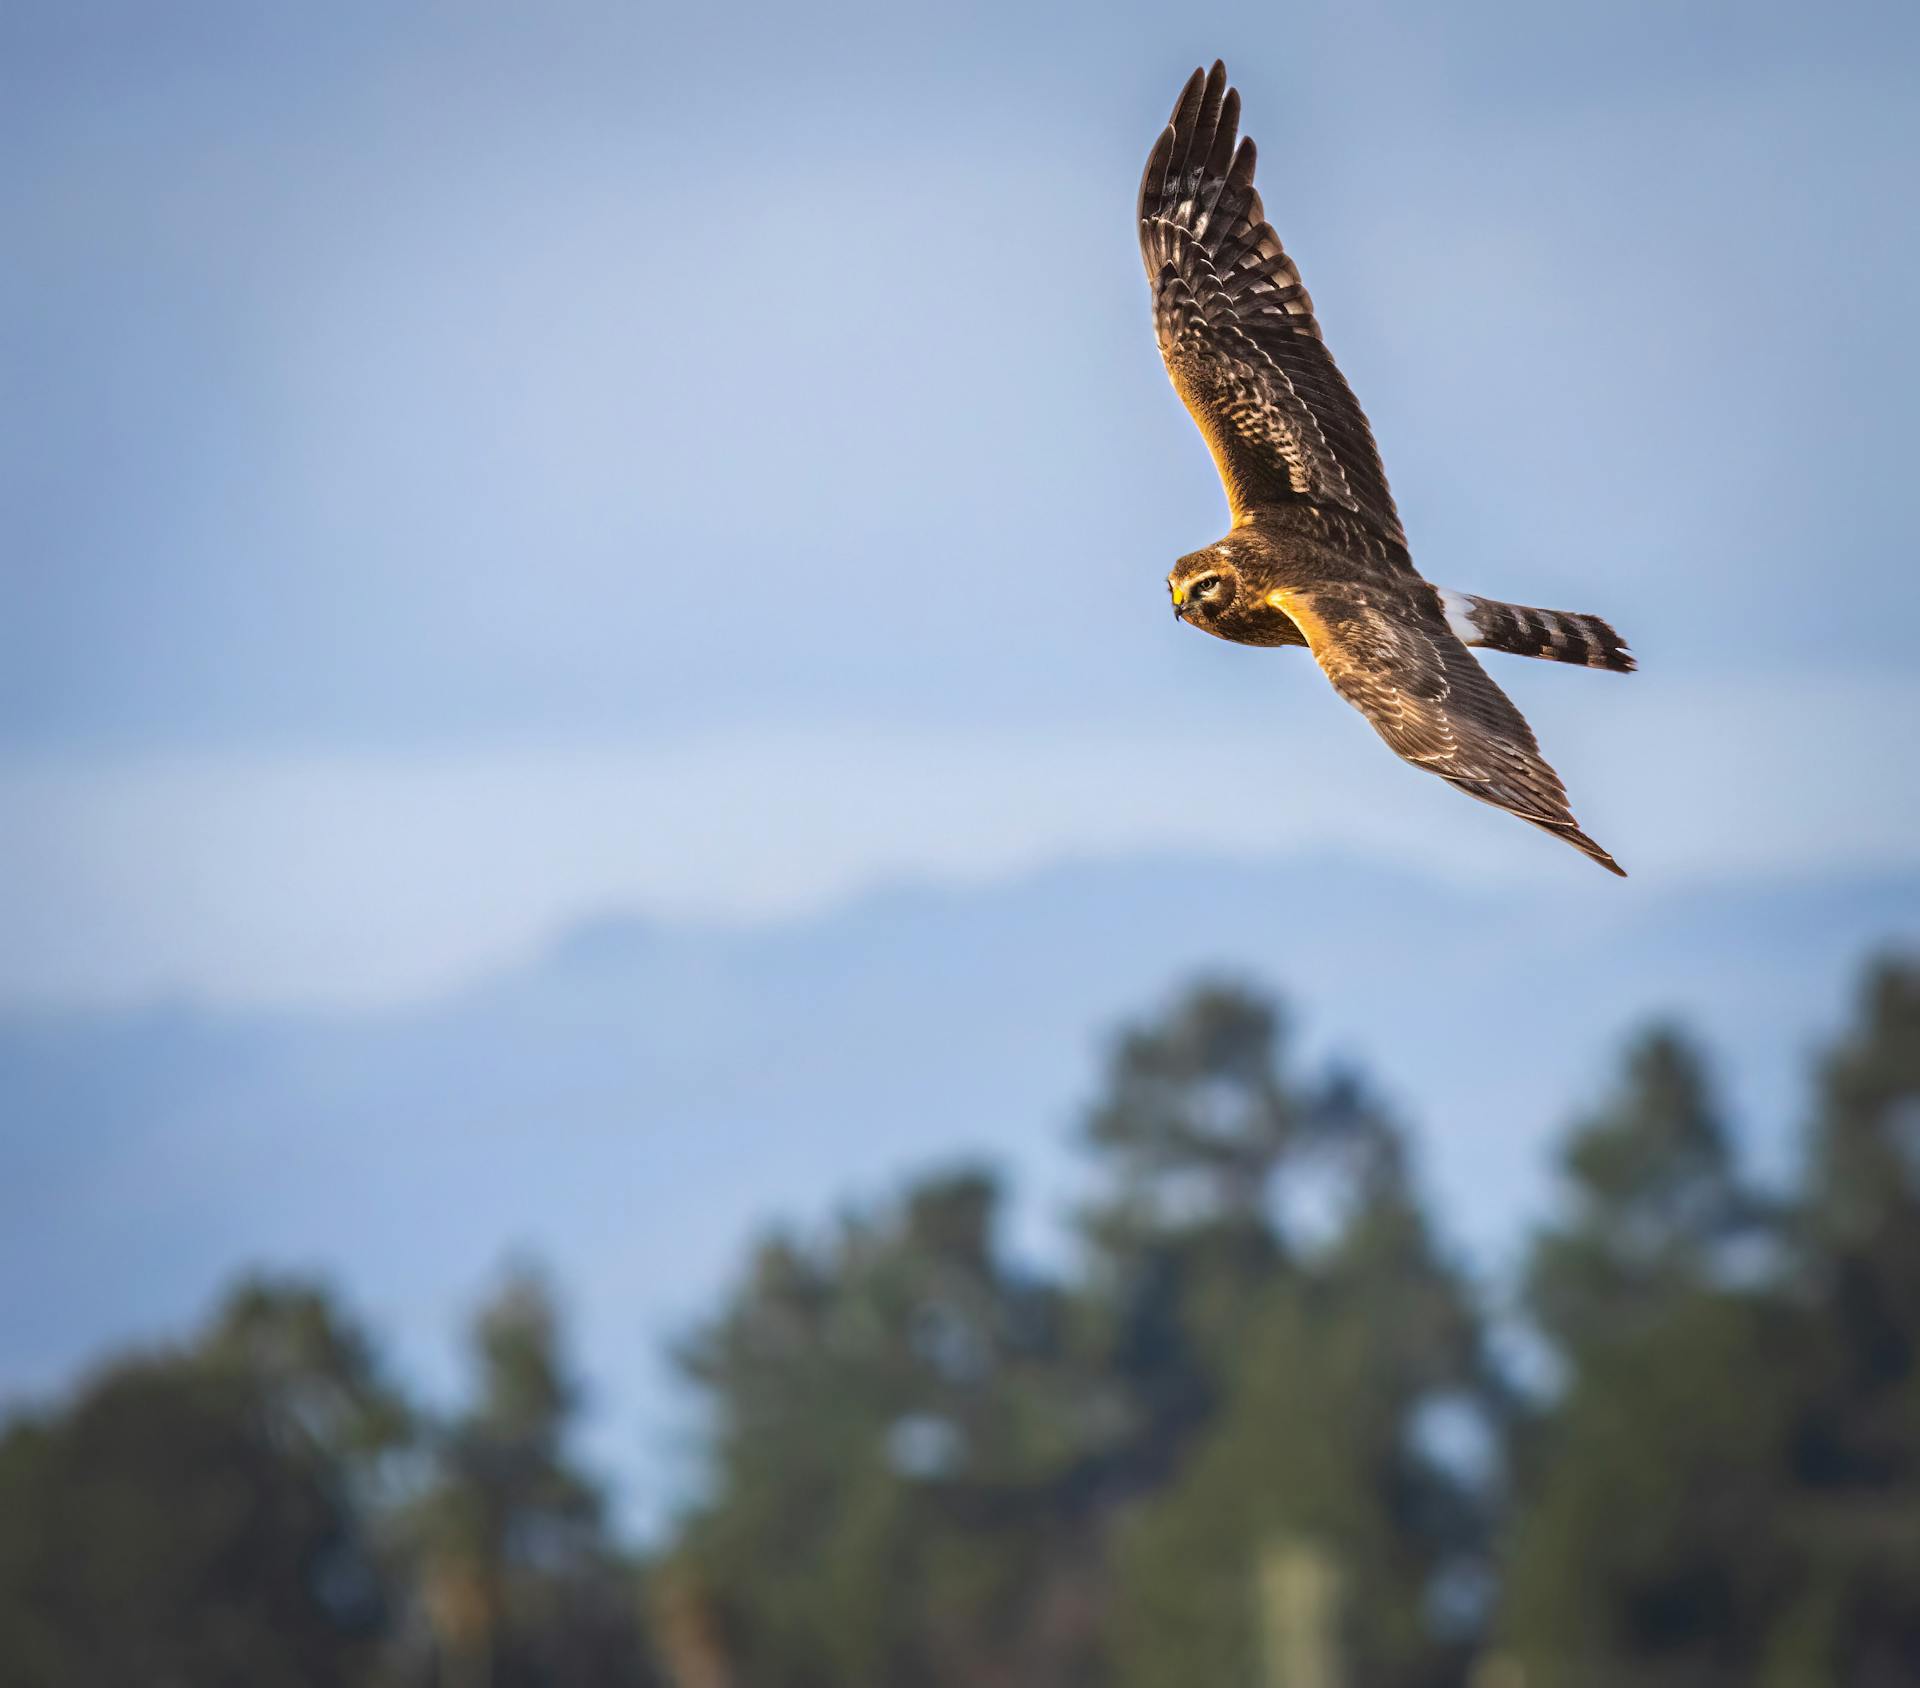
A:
x,y
1317,555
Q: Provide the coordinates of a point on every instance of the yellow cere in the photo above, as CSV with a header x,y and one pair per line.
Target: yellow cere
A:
x,y
1179,595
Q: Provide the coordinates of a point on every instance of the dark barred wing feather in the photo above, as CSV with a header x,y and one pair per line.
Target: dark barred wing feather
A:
x,y
1397,662
1236,326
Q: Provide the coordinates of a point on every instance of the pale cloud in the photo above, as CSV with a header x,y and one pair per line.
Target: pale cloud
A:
x,y
368,878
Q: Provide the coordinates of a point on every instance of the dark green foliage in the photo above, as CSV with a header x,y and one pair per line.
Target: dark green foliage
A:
x,y
1318,1328
1652,1542
1656,1209
193,1517
931,1468
1728,1489
1253,1435
1653,1545
1856,1616
899,1426
507,1546
263,1509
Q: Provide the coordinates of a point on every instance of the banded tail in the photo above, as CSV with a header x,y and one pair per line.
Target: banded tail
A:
x,y
1554,634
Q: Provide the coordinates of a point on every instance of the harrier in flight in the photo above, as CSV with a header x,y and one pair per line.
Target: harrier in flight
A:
x,y
1316,555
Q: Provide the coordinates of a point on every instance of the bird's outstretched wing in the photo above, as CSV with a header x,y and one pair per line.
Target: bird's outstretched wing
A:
x,y
1236,327
1396,661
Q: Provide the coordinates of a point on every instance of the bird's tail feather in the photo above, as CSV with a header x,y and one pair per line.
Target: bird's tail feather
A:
x,y
1556,635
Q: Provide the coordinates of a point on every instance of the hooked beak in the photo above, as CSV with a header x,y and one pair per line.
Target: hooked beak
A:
x,y
1179,603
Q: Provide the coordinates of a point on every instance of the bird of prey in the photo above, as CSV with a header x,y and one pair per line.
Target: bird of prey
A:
x,y
1316,555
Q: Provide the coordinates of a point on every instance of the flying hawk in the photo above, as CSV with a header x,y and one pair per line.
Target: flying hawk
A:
x,y
1316,555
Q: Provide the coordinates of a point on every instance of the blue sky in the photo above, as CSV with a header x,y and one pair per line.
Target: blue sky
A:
x,y
468,468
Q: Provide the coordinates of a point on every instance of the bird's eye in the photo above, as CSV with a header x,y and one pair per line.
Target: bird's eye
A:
x,y
1206,586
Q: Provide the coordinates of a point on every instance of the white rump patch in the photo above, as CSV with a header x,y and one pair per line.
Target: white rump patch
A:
x,y
1458,609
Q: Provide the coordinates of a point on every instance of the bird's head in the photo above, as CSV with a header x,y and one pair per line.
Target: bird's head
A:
x,y
1204,586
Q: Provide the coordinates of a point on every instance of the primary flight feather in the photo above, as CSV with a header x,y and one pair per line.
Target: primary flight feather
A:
x,y
1316,555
